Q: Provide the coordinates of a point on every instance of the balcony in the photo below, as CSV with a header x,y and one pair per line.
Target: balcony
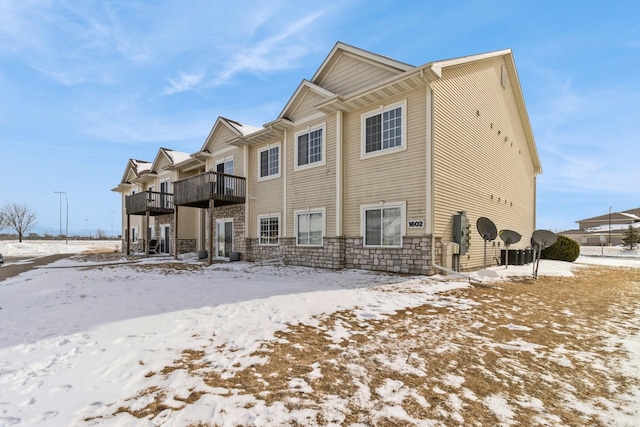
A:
x,y
198,190
151,202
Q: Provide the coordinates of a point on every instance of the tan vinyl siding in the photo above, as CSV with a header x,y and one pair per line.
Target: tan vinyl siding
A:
x,y
265,196
238,160
163,162
304,107
482,164
394,177
188,221
314,187
189,173
350,74
221,134
220,150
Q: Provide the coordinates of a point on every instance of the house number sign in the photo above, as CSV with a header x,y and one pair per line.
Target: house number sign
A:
x,y
416,223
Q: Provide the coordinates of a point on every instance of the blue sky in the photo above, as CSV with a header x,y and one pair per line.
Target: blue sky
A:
x,y
86,85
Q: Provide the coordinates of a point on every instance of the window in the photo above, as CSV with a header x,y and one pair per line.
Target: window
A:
x,y
383,130
383,225
310,227
269,226
225,184
310,147
269,158
165,188
225,166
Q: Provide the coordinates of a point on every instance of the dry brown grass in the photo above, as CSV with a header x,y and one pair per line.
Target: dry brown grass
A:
x,y
540,345
167,267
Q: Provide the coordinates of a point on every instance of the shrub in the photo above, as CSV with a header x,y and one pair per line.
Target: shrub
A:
x,y
564,249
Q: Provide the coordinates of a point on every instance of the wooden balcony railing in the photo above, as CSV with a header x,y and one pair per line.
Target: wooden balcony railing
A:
x,y
197,191
154,202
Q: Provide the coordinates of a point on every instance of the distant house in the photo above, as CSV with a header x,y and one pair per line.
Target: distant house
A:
x,y
606,229
369,165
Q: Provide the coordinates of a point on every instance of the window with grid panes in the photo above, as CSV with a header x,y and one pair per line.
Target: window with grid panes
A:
x,y
269,230
270,161
310,147
383,130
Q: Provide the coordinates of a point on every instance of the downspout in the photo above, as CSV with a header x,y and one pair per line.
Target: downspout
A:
x,y
429,178
339,117
283,162
247,192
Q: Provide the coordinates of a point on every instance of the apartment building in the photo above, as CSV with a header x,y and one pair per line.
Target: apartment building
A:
x,y
367,166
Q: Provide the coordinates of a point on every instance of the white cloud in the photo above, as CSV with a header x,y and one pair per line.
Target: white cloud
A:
x,y
185,82
277,52
584,133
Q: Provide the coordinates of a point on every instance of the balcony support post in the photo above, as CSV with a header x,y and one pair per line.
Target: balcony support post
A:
x,y
146,241
211,233
128,234
175,231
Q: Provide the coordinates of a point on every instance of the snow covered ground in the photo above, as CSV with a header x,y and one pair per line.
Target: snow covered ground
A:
x,y
79,339
36,248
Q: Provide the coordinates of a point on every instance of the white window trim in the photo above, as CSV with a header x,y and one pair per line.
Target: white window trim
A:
x,y
166,180
270,215
363,130
217,236
225,160
383,204
308,130
323,211
265,148
164,176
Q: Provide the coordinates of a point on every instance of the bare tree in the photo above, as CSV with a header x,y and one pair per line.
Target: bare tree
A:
x,y
101,234
17,217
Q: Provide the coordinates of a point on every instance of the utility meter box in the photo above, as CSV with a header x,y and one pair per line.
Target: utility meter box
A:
x,y
461,231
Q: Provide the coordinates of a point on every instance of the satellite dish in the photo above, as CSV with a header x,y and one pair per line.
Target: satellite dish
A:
x,y
544,238
510,237
541,239
487,229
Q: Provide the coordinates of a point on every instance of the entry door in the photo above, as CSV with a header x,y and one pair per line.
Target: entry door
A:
x,y
224,238
164,239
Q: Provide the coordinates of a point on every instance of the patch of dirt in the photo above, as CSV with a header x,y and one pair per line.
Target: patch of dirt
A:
x,y
166,267
542,348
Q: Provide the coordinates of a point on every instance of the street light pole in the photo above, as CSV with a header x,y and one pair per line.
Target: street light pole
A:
x,y
67,227
609,225
60,193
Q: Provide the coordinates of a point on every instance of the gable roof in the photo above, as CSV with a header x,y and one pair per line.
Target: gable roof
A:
x,y
237,128
510,64
299,94
414,77
625,217
341,48
134,170
171,156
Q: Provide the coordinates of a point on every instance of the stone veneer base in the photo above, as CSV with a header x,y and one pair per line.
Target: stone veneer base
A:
x,y
414,257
